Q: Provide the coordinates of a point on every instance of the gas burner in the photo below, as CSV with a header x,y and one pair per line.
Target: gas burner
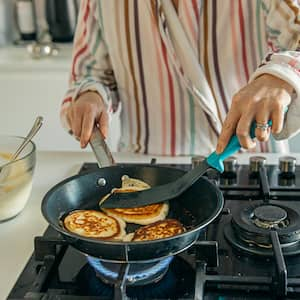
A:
x,y
177,282
251,225
270,216
138,273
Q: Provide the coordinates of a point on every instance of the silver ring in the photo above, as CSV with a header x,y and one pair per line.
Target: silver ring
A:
x,y
262,126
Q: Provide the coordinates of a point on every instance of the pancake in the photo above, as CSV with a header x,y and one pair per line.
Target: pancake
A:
x,y
95,224
128,182
158,230
128,237
138,215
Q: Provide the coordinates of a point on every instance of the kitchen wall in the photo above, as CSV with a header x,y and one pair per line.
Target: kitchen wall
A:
x,y
36,87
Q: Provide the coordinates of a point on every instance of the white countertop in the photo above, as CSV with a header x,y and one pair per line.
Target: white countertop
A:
x,y
17,58
17,235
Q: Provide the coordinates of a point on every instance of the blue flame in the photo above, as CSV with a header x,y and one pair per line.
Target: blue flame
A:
x,y
107,269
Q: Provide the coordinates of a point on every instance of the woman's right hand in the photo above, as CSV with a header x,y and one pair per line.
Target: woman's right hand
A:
x,y
83,113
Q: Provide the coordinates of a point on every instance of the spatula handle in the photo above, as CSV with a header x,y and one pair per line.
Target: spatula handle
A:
x,y
100,149
216,160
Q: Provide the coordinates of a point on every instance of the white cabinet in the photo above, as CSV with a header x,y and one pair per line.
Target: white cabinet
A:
x,y
36,87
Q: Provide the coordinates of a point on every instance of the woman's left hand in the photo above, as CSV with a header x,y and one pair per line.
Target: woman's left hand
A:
x,y
262,100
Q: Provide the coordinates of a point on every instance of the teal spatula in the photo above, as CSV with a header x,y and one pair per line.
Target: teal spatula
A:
x,y
173,189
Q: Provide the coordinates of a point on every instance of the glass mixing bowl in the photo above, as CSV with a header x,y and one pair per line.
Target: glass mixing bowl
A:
x,y
15,177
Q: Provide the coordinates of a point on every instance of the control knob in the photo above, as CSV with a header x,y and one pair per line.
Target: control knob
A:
x,y
196,160
230,165
211,173
287,165
256,162
228,177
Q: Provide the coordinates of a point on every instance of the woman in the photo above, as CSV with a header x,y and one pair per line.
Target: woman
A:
x,y
175,68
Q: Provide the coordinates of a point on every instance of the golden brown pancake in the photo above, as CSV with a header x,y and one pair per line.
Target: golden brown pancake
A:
x,y
128,182
158,230
138,215
95,224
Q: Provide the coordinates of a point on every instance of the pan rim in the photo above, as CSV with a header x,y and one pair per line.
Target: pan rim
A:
x,y
75,236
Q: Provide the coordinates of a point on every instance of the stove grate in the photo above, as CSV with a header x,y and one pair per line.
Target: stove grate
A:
x,y
177,282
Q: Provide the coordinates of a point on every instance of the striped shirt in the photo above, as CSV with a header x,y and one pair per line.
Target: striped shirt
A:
x,y
173,73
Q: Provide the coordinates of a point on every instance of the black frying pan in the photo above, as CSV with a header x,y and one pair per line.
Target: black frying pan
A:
x,y
195,209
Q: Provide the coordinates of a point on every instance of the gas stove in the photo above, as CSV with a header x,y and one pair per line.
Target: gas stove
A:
x,y
251,251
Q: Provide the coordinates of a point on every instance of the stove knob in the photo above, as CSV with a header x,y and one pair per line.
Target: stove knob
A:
x,y
287,165
196,160
211,173
230,165
228,180
256,162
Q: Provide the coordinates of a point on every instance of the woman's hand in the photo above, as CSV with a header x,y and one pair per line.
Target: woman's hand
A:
x,y
88,110
262,100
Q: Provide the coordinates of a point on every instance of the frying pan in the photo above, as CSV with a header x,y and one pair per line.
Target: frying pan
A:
x,y
197,207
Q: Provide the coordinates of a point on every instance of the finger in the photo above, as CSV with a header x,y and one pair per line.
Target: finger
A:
x,y
103,123
277,118
69,122
87,128
76,123
228,130
243,132
262,134
69,118
262,118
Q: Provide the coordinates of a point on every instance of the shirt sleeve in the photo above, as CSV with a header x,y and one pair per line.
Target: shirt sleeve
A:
x,y
91,68
283,61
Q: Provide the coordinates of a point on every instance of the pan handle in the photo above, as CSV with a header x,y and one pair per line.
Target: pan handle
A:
x,y
100,149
